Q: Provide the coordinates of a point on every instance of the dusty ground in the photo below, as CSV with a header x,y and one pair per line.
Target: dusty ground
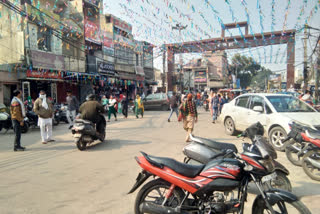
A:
x,y
58,178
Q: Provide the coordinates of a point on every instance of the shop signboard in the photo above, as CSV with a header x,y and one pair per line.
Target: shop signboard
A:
x,y
44,60
108,47
91,31
43,74
122,25
107,69
200,77
125,40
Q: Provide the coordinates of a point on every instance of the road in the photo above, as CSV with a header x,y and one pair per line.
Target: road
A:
x,y
58,178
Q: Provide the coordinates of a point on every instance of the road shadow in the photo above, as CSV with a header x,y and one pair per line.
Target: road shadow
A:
x,y
111,144
306,189
47,147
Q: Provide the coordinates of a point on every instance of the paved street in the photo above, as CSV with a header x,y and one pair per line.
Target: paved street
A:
x,y
58,178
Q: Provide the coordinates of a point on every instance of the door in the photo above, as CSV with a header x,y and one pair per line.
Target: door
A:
x,y
241,112
26,90
254,116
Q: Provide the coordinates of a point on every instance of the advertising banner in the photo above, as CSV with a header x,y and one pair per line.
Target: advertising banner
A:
x,y
107,69
122,25
46,60
200,77
91,31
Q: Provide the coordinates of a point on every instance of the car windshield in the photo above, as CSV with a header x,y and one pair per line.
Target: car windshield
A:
x,y
289,104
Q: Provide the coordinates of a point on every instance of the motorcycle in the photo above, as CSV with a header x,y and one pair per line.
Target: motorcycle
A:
x,y
206,105
210,188
303,149
33,118
6,123
202,151
57,114
84,133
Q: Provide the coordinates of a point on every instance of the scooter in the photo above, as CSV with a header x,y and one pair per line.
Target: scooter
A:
x,y
84,133
202,151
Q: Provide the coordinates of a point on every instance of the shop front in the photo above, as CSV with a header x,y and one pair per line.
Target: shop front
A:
x,y
8,83
200,80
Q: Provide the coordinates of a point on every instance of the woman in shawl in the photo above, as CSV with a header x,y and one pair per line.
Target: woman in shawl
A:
x,y
139,108
190,115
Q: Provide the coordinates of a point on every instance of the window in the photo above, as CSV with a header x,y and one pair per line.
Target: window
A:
x,y
256,101
108,19
242,101
289,104
150,97
44,39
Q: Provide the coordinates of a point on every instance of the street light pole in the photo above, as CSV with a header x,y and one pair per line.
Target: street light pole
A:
x,y
180,27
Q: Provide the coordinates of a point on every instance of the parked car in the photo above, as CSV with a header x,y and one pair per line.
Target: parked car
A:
x,y
158,101
274,111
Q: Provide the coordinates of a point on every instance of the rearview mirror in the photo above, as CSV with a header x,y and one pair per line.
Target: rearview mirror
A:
x,y
258,109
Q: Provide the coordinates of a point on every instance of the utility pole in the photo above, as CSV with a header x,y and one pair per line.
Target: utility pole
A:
x,y
305,59
164,65
180,27
317,76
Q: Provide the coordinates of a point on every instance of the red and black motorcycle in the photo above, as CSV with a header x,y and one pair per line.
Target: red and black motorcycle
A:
x,y
303,149
220,186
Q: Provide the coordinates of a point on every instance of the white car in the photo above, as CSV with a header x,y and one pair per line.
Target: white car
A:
x,y
274,111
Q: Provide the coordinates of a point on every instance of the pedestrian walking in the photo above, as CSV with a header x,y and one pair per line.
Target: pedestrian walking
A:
x,y
139,108
221,102
215,107
112,108
190,115
210,102
173,101
124,104
44,109
18,113
73,106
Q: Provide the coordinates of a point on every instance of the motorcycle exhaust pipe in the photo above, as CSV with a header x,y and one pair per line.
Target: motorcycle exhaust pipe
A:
x,y
149,207
313,162
294,148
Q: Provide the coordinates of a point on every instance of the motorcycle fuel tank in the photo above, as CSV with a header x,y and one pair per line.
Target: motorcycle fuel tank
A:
x,y
199,152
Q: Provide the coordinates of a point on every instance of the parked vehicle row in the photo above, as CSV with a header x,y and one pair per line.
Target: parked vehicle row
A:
x,y
219,185
274,111
303,149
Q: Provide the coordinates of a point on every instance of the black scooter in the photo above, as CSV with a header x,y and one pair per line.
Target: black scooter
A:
x,y
84,133
202,150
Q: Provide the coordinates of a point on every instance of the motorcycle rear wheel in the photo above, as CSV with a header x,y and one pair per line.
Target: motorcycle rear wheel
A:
x,y
159,187
25,127
292,155
282,207
81,145
312,171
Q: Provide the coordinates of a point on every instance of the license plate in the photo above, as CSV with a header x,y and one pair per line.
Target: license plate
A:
x,y
269,177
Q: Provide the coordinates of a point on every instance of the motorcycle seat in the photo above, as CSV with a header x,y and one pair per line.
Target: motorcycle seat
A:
x,y
187,170
313,134
214,144
83,121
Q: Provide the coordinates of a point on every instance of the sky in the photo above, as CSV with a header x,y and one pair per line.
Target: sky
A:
x,y
152,21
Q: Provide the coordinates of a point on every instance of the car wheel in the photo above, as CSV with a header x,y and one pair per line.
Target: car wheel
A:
x,y
276,137
229,126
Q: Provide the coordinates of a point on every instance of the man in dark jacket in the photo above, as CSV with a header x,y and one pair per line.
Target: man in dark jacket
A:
x,y
73,106
91,110
173,101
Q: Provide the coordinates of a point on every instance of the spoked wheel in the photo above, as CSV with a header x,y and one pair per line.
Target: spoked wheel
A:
x,y
81,145
280,182
281,207
154,192
293,150
276,137
311,164
229,126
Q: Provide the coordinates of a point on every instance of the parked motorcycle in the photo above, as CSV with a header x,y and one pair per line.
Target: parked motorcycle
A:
x,y
303,149
6,123
33,118
202,151
210,188
84,133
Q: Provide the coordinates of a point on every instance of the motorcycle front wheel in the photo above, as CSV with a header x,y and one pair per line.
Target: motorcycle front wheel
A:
x,y
281,207
311,164
154,192
279,182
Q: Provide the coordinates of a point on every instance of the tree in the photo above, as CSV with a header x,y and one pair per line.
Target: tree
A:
x,y
245,68
261,78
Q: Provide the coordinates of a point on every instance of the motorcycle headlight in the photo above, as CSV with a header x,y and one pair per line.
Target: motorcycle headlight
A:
x,y
268,164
